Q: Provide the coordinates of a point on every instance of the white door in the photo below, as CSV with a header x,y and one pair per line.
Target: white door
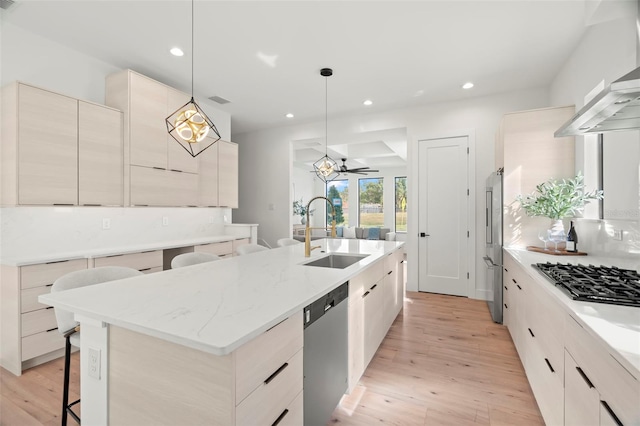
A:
x,y
442,216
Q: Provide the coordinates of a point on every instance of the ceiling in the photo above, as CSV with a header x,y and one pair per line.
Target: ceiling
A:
x,y
265,56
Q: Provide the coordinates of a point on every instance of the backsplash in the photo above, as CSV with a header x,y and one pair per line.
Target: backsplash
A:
x,y
34,231
597,237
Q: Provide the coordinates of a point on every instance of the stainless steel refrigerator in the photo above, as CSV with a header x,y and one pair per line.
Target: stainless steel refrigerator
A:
x,y
493,238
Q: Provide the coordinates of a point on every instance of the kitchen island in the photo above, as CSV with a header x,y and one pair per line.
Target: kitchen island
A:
x,y
191,345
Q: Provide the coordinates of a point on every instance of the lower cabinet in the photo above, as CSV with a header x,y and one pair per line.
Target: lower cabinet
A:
x,y
29,333
375,299
260,383
146,261
574,379
222,249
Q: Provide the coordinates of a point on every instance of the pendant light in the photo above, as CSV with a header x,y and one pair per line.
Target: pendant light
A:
x,y
326,168
189,125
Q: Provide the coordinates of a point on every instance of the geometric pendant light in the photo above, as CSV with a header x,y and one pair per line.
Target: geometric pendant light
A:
x,y
189,125
326,168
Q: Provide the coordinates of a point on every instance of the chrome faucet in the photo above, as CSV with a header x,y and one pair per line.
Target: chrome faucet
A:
x,y
307,229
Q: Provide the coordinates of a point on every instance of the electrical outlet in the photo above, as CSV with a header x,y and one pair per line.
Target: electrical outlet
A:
x,y
165,221
94,363
617,234
106,223
212,219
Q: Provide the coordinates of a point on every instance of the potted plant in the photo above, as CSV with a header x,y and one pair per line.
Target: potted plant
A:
x,y
558,199
300,209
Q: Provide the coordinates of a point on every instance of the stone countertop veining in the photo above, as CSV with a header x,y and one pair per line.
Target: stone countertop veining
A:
x,y
217,306
618,327
115,250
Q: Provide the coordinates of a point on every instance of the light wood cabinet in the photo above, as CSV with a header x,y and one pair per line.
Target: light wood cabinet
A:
x,y
29,332
146,261
227,174
100,155
530,155
258,383
57,150
581,399
219,249
208,177
147,111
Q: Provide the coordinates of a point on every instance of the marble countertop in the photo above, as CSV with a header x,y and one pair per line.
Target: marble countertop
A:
x,y
218,306
115,250
618,327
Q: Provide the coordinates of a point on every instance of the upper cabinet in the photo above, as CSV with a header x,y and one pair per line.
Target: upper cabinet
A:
x,y
50,141
158,170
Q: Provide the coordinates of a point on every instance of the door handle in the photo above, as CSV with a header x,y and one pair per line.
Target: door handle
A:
x,y
423,234
489,262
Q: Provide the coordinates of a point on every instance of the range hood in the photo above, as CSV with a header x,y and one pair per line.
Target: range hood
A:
x,y
615,108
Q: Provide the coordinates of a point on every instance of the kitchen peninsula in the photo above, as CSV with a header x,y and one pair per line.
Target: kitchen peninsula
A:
x,y
221,342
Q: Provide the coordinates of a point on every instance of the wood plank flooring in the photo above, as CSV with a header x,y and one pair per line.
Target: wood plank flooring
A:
x,y
444,362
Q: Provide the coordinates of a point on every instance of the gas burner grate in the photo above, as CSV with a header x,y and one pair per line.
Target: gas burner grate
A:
x,y
601,284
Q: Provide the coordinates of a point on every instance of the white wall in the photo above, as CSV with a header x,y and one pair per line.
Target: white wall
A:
x,y
31,231
607,51
265,159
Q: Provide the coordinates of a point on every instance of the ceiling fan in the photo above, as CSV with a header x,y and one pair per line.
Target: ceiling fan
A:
x,y
357,170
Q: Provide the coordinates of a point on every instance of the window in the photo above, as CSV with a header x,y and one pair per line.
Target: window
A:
x,y
338,193
401,204
370,208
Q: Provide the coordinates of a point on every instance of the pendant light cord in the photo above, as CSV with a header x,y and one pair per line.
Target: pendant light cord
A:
x,y
326,116
192,51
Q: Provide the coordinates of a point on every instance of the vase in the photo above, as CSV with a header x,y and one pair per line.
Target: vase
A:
x,y
303,220
556,232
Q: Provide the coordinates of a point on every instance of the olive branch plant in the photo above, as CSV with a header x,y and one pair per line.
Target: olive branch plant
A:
x,y
558,199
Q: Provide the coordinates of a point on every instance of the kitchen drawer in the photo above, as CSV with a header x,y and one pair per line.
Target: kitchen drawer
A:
x,y
41,343
365,279
547,385
29,298
293,415
617,387
238,243
274,395
261,357
139,261
38,321
152,270
219,249
46,273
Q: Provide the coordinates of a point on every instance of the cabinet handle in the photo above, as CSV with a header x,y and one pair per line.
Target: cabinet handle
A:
x,y
278,371
518,285
365,294
144,269
49,285
505,305
52,329
374,286
505,287
91,205
280,417
611,413
159,168
585,378
49,307
176,170
389,273
531,332
506,270
514,281
549,365
63,204
57,261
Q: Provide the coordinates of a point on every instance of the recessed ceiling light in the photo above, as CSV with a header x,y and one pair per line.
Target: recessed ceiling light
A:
x,y
468,85
289,115
176,51
368,102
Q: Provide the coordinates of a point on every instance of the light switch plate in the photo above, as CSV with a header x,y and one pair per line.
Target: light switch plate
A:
x,y
94,363
617,234
165,221
106,223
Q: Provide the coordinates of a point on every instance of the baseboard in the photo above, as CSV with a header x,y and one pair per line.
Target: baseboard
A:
x,y
483,294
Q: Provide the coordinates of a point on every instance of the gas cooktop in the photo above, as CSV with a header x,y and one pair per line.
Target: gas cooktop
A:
x,y
602,284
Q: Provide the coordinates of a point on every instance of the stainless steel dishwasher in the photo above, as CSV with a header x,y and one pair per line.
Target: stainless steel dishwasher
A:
x,y
325,355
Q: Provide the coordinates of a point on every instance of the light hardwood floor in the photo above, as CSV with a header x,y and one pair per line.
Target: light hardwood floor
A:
x,y
444,362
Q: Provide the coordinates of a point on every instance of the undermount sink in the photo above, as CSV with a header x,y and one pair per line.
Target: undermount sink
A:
x,y
337,261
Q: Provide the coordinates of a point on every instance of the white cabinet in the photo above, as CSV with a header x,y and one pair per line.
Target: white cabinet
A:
x,y
581,399
29,330
375,298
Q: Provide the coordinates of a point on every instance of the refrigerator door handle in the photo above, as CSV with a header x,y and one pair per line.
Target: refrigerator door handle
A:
x,y
489,261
